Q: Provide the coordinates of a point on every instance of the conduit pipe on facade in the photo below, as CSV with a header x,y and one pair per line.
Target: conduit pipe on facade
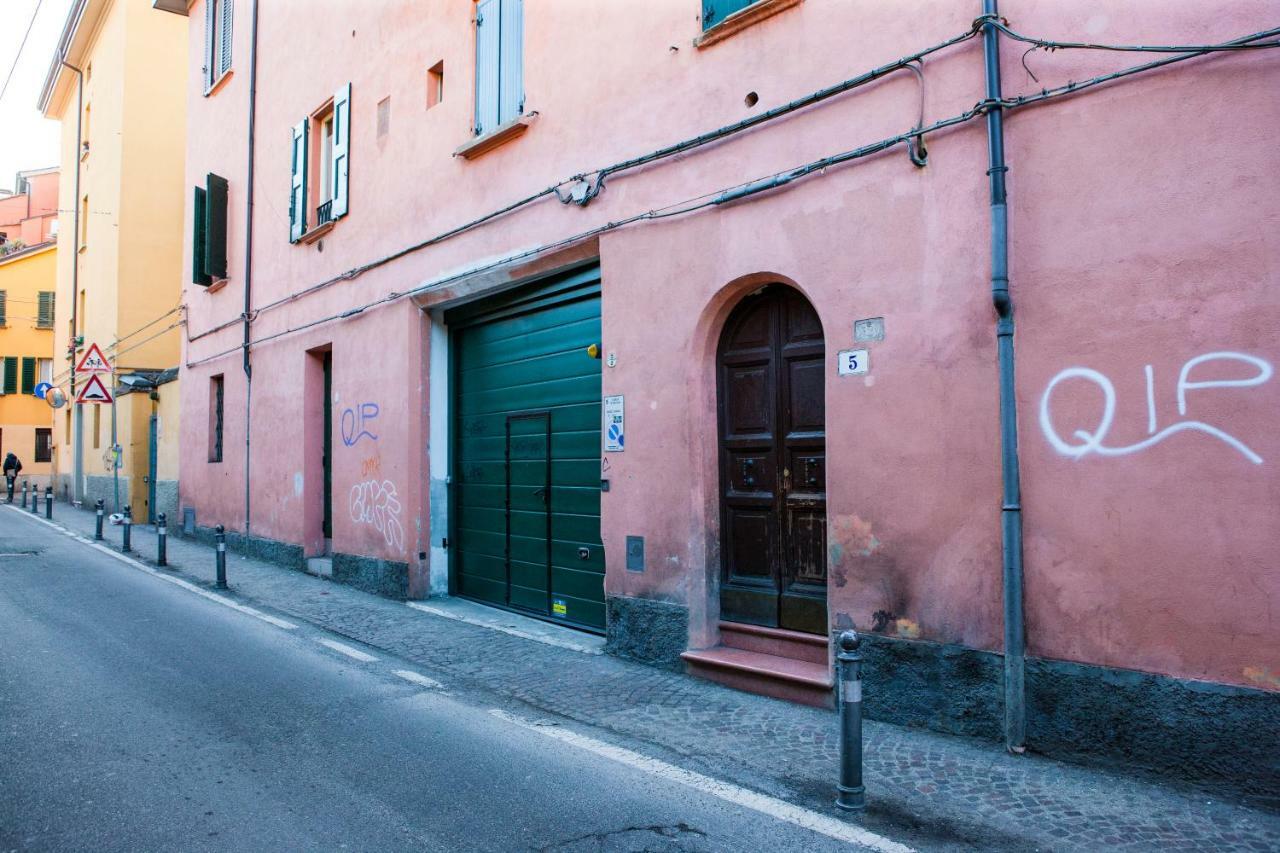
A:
x,y
248,260
1011,498
77,411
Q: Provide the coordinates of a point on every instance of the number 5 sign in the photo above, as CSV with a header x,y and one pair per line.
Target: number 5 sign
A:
x,y
852,361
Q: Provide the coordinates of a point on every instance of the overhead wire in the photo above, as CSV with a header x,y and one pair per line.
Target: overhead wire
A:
x,y
22,45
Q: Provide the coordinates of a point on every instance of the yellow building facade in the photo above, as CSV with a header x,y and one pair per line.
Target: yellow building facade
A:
x,y
26,358
117,85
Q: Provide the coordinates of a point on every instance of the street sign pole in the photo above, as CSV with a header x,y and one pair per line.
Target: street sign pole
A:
x,y
91,365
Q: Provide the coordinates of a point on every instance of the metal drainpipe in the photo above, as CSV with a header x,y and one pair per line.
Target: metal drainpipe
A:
x,y
77,411
248,258
1011,498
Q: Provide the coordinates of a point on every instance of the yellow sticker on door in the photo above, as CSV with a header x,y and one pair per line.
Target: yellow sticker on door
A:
x,y
558,607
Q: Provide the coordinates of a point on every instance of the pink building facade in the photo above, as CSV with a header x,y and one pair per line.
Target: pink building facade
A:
x,y
724,398
30,214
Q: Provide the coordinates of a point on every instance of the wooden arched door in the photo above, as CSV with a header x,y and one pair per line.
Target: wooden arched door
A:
x,y
773,507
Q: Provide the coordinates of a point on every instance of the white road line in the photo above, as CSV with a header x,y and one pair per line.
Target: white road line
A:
x,y
190,587
347,650
771,806
420,680
507,629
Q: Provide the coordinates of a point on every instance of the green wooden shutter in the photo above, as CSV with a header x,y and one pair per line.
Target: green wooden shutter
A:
x,y
715,11
28,375
341,149
4,303
11,374
215,227
199,239
298,194
44,310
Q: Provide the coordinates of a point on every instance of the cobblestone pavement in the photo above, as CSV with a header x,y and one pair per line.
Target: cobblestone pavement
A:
x,y
933,791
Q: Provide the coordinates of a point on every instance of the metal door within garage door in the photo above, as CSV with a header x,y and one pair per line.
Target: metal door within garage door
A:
x,y
525,488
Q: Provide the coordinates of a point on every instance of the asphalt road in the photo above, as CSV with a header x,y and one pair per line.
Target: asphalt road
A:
x,y
137,715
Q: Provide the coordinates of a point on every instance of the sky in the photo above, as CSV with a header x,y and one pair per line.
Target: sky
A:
x,y
27,139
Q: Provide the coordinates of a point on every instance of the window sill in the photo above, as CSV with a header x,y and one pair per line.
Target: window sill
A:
x,y
219,83
500,135
215,286
316,233
741,19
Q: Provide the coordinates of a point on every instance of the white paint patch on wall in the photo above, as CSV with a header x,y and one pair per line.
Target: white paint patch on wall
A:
x,y
297,484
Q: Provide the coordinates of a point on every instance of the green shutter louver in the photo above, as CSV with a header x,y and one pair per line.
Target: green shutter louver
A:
x,y
11,374
341,149
198,239
215,227
298,189
44,310
4,308
28,375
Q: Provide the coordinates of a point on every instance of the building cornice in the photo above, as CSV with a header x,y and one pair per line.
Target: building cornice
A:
x,y
77,32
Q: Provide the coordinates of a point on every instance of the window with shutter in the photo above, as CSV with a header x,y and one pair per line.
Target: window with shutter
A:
x,y
341,149
44,310
198,239
224,36
499,63
217,41
215,228
4,308
28,375
715,11
10,374
298,194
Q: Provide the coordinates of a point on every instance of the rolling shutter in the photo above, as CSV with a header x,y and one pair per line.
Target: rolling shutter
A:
x,y
28,375
511,61
341,148
298,196
44,309
215,227
198,221
488,41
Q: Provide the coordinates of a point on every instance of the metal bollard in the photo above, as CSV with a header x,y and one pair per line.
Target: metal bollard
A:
x,y
48,501
220,537
851,795
97,530
24,494
35,500
127,545
162,534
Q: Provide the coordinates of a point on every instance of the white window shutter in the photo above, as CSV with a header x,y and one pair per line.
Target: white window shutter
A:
x,y
224,49
511,61
341,148
210,36
488,41
298,194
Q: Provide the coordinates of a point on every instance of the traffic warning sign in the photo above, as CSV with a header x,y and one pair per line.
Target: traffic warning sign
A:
x,y
94,391
93,361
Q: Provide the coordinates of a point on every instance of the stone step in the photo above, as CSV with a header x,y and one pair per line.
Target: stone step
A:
x,y
768,675
775,641
320,566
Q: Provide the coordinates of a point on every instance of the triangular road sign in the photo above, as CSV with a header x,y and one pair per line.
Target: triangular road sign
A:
x,y
93,361
94,391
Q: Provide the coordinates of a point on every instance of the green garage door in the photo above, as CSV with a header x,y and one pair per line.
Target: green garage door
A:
x,y
525,506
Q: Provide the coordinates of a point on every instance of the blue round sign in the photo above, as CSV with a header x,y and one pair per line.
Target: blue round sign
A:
x,y
42,389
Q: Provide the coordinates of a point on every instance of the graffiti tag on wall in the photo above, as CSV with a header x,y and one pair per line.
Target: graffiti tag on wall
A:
x,y
375,502
1094,441
356,422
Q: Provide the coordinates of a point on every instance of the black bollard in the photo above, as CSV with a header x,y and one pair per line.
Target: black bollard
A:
x,y
126,546
35,500
97,530
220,538
851,795
24,494
162,534
48,501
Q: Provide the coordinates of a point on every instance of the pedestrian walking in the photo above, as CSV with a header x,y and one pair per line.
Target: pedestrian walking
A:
x,y
12,468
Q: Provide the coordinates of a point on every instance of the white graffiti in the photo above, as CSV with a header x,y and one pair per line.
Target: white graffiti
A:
x,y
375,502
1092,442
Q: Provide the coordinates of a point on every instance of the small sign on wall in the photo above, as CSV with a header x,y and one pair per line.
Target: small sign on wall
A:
x,y
852,361
614,425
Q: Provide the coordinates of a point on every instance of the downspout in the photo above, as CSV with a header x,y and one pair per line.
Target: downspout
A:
x,y
77,412
1011,498
248,259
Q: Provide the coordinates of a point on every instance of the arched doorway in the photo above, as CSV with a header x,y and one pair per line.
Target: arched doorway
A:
x,y
772,437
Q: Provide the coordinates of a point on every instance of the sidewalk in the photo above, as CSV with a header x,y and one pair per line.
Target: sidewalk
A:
x,y
928,790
